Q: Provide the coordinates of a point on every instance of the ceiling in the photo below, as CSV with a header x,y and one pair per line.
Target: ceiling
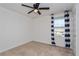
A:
x,y
54,8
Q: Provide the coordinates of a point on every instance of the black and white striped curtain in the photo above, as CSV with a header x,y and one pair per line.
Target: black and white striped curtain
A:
x,y
67,29
52,30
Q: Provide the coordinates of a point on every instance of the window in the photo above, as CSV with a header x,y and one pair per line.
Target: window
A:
x,y
59,24
59,30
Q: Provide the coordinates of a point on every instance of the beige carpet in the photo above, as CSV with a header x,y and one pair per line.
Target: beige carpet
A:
x,y
38,49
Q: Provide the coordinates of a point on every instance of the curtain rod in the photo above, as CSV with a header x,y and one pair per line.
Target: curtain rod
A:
x,y
61,12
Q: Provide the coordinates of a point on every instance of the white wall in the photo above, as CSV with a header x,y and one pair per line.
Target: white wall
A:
x,y
42,29
14,29
77,29
73,32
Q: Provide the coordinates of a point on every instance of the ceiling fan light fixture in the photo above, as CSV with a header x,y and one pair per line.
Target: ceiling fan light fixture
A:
x,y
35,10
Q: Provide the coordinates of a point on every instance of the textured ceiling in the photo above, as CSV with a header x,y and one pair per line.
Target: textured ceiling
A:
x,y
54,8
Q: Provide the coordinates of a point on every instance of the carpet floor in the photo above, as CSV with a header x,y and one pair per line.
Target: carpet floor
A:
x,y
34,48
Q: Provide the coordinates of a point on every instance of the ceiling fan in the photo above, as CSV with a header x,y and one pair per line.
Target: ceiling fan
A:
x,y
35,8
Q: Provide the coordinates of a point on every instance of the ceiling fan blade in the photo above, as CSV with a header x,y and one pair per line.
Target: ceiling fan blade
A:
x,y
30,11
39,12
44,8
27,6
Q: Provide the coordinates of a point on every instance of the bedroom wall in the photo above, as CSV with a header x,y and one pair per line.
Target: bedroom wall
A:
x,y
77,29
41,29
14,29
74,29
